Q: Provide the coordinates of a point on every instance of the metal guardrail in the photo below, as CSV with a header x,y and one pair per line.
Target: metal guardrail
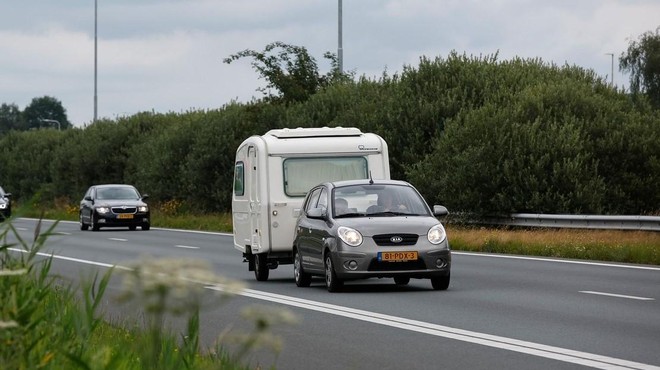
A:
x,y
648,223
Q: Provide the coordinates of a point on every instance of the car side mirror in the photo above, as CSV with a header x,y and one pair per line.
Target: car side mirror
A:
x,y
88,198
440,211
8,195
319,213
145,196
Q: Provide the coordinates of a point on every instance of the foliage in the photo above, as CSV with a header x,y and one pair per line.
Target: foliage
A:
x,y
290,70
10,118
43,111
473,133
642,60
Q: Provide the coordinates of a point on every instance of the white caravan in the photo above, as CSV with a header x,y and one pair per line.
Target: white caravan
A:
x,y
274,172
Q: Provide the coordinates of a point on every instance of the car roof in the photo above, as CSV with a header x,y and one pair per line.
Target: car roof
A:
x,y
367,182
114,186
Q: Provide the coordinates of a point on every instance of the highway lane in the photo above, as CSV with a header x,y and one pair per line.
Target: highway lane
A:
x,y
608,310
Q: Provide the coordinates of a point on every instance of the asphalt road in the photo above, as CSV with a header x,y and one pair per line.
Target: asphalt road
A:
x,y
499,312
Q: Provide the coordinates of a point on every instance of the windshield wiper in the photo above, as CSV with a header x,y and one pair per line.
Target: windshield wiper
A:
x,y
389,213
351,214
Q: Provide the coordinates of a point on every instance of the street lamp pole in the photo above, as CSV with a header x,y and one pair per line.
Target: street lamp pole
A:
x,y
95,59
612,73
51,121
340,49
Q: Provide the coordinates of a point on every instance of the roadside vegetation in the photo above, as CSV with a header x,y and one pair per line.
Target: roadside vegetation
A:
x,y
47,322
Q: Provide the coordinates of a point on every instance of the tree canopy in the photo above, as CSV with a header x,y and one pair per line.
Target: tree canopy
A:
x,y
642,60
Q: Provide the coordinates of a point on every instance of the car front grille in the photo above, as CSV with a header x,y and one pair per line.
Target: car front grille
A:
x,y
387,239
375,265
118,210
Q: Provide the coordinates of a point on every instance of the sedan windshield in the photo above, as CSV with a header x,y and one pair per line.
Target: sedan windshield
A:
x,y
116,193
377,200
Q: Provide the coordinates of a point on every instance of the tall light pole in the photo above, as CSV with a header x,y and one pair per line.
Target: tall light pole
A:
x,y
612,73
95,59
340,49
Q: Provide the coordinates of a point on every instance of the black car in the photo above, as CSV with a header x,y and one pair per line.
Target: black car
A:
x,y
114,205
363,228
5,205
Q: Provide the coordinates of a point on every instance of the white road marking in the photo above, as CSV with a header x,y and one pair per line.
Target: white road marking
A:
x,y
530,348
186,247
118,239
617,295
22,228
556,260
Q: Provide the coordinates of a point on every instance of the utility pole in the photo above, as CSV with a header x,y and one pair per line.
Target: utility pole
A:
x,y
340,49
95,60
612,73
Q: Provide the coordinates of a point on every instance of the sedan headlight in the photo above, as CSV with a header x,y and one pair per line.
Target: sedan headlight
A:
x,y
3,206
143,209
436,234
350,236
103,210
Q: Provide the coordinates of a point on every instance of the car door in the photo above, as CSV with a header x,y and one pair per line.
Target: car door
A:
x,y
86,205
304,228
318,232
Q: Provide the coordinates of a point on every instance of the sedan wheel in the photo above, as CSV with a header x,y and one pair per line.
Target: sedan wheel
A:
x,y
303,279
332,282
440,283
146,227
401,280
95,225
132,228
83,226
261,267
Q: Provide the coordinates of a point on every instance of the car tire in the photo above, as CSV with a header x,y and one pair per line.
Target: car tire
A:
x,y
261,270
83,226
146,227
303,279
401,280
332,282
95,225
132,228
440,283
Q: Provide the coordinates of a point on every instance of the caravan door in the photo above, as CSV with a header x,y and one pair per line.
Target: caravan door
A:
x,y
254,201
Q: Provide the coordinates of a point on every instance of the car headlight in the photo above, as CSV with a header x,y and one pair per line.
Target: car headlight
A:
x,y
436,234
103,210
350,236
3,206
143,209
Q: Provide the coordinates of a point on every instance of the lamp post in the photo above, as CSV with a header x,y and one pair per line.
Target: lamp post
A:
x,y
612,73
51,121
95,60
340,49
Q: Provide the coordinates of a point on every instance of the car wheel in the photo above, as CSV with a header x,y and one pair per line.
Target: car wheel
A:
x,y
261,267
132,228
303,279
332,282
95,225
440,283
146,227
401,280
83,226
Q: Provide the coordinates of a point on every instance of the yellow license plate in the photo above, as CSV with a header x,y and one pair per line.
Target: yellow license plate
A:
x,y
125,215
398,256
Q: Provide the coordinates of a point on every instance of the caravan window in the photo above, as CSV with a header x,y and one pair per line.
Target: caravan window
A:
x,y
239,179
301,174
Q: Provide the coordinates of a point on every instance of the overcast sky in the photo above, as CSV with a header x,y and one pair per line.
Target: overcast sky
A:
x,y
166,55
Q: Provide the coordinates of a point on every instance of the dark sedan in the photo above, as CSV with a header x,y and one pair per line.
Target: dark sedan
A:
x,y
114,205
362,228
5,205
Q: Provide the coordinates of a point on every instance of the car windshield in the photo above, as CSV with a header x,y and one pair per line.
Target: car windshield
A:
x,y
372,200
116,193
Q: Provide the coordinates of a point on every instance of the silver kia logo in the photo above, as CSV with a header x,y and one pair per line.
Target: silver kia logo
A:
x,y
396,239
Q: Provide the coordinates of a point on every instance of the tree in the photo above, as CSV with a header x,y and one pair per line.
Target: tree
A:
x,y
10,118
291,71
46,112
642,60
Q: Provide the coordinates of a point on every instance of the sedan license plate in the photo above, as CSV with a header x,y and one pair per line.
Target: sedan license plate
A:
x,y
403,256
125,216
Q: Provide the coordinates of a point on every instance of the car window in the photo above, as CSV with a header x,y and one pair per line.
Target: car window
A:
x,y
312,200
323,199
367,200
112,193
